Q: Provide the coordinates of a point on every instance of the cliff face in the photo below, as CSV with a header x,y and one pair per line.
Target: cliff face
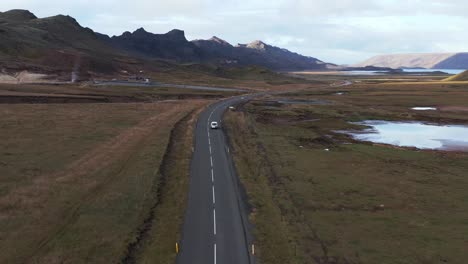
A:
x,y
172,45
422,60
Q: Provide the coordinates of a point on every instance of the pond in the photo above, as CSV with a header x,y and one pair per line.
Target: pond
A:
x,y
424,108
414,134
303,102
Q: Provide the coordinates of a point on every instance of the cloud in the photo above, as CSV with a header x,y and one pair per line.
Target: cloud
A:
x,y
340,31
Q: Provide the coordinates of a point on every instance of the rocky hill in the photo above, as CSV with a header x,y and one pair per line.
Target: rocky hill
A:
x,y
257,53
52,44
171,46
174,46
419,60
59,44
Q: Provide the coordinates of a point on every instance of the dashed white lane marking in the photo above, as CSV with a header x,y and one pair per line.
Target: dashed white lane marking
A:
x,y
214,221
212,177
214,198
215,253
214,109
209,118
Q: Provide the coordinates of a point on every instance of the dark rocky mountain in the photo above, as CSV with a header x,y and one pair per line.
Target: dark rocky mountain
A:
x,y
216,50
172,45
256,53
60,43
51,44
17,15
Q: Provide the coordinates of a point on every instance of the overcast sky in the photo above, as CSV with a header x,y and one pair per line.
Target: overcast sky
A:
x,y
338,31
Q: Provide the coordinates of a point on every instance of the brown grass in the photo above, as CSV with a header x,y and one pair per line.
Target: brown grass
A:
x,y
76,178
358,202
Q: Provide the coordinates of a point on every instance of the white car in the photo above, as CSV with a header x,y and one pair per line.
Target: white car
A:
x,y
214,125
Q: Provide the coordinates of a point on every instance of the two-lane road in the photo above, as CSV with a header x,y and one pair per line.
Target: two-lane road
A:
x,y
216,227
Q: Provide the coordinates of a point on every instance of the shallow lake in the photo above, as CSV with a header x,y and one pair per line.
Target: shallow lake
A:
x,y
422,71
303,102
449,71
414,134
424,108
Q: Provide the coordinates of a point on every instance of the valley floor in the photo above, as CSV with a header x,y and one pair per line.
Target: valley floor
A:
x,y
100,174
88,182
319,196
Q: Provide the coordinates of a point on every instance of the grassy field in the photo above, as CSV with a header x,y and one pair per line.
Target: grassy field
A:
x,y
358,202
99,174
78,181
86,93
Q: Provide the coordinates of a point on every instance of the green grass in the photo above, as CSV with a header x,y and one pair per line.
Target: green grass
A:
x,y
359,202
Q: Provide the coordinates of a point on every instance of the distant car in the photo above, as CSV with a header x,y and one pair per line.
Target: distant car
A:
x,y
214,125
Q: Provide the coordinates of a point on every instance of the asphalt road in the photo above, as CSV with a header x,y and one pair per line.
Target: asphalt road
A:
x,y
168,85
216,229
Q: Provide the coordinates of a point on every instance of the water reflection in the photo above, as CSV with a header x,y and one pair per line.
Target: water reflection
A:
x,y
424,108
414,134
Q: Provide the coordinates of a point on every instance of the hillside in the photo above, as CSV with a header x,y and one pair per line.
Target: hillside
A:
x,y
461,77
57,44
61,47
175,47
419,60
171,46
257,53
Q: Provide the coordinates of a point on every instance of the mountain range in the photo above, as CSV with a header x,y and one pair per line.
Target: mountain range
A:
x,y
419,60
174,46
60,42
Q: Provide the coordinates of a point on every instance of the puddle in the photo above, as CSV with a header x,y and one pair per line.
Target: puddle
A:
x,y
414,134
424,108
303,102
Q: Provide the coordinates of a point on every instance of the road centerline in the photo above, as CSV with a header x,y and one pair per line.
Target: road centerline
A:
x,y
231,228
214,198
215,253
214,221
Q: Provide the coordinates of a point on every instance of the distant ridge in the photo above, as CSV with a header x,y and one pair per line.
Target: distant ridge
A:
x,y
419,60
257,53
